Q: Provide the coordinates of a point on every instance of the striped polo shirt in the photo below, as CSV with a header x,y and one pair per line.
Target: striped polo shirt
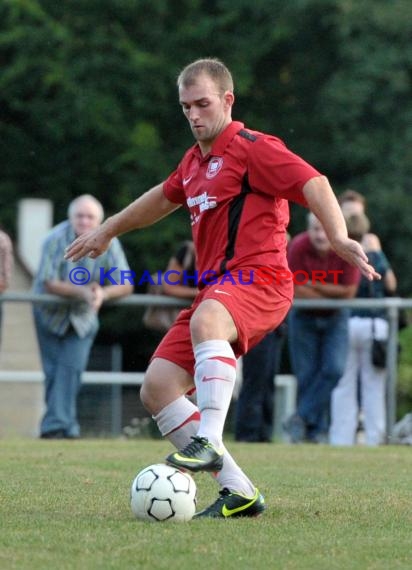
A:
x,y
53,267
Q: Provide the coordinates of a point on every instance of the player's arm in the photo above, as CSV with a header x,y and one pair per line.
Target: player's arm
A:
x,y
323,203
146,210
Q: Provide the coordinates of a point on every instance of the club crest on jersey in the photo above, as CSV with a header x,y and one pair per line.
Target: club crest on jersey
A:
x,y
215,164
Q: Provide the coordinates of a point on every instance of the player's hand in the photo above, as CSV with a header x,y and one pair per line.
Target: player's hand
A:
x,y
90,244
352,252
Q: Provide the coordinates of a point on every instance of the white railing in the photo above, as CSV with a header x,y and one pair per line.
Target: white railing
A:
x,y
392,305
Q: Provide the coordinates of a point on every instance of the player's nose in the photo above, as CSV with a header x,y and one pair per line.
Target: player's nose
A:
x,y
193,115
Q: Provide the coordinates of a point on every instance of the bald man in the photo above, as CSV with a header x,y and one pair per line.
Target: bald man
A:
x,y
317,337
66,332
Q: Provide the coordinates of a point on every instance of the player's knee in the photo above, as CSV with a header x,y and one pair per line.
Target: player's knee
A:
x,y
210,321
149,395
144,397
207,322
158,391
201,324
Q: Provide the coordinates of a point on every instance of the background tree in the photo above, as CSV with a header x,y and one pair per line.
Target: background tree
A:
x,y
88,102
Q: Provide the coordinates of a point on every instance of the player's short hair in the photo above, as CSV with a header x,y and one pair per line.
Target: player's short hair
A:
x,y
351,196
212,67
74,203
358,225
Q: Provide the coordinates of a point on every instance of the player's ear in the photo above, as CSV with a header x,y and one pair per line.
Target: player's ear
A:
x,y
229,98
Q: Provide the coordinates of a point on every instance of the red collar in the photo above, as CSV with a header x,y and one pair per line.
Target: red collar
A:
x,y
222,140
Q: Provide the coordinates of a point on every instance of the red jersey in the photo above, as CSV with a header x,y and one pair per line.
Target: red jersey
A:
x,y
237,197
304,258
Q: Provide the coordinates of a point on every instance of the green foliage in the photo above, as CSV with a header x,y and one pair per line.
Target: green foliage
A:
x,y
368,111
88,101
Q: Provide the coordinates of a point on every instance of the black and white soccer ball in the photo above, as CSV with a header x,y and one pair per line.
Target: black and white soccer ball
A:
x,y
163,493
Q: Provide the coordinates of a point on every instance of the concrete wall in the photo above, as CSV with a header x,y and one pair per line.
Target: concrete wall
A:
x,y
34,220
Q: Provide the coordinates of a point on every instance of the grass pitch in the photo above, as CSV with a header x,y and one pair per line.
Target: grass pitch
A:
x,y
65,505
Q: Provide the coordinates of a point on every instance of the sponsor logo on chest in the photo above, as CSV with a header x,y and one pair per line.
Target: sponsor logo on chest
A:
x,y
204,201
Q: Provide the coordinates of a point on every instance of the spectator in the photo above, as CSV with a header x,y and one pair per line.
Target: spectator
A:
x,y
236,184
183,283
353,203
317,337
254,419
66,332
179,280
364,324
6,266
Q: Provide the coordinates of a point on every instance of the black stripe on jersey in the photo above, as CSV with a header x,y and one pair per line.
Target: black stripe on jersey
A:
x,y
235,212
247,135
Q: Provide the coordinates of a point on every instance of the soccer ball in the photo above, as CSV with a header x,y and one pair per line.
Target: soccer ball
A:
x,y
163,493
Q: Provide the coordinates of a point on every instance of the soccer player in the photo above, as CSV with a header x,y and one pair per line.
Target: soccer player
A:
x,y
236,184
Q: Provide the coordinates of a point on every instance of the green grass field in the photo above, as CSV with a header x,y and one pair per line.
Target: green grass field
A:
x,y
65,505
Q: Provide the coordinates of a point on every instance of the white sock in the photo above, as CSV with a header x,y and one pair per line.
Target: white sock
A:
x,y
233,478
180,420
215,375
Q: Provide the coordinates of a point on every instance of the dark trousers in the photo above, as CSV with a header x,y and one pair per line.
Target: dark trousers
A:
x,y
255,405
318,347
